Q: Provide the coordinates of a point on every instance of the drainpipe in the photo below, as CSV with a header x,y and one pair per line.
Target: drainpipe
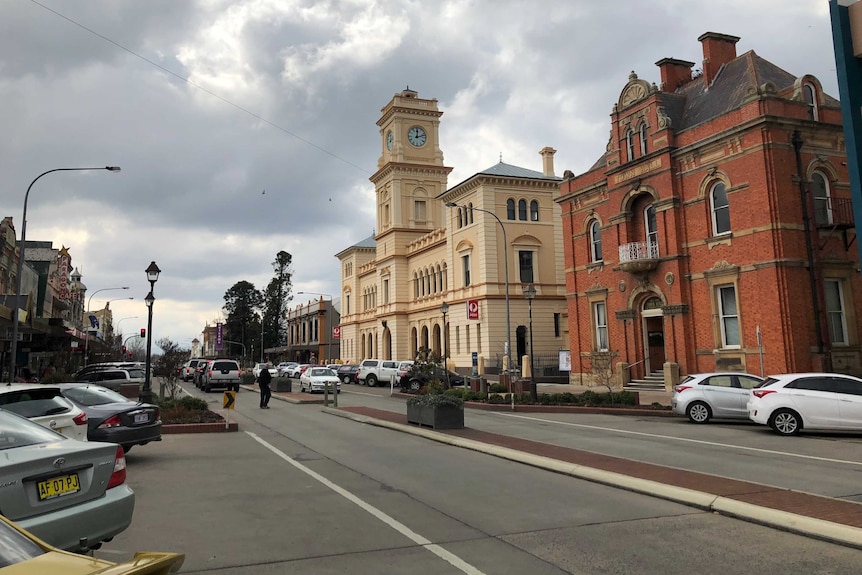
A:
x,y
797,142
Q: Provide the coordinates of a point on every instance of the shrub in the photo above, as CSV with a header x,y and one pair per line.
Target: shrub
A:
x,y
186,403
497,388
247,378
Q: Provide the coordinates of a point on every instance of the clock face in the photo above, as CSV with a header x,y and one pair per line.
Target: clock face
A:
x,y
389,139
416,136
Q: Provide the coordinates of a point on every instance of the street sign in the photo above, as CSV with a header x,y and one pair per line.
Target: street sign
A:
x,y
229,400
472,309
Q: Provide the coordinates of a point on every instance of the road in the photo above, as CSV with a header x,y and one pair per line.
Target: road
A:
x,y
302,491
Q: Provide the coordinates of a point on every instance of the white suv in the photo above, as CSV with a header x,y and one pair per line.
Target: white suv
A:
x,y
372,371
222,373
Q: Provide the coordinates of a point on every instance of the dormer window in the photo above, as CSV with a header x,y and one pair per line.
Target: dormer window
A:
x,y
810,95
630,144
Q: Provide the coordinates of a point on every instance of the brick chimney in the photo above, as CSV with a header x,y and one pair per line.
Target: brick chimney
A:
x,y
718,50
548,160
674,73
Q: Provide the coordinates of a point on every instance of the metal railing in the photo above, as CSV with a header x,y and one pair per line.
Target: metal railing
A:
x,y
638,251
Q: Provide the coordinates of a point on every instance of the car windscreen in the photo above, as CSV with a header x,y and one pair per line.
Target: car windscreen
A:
x,y
15,547
225,365
93,395
136,373
35,402
319,371
18,432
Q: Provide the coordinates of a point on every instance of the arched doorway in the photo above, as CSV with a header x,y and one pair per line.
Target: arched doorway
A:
x,y
387,344
652,320
426,343
438,341
520,343
414,343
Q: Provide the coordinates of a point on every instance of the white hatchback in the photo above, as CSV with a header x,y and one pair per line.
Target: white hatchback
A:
x,y
791,402
45,405
319,379
702,396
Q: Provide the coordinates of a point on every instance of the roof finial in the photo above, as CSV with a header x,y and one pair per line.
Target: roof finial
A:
x,y
501,157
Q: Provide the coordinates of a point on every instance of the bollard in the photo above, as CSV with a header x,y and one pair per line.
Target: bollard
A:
x,y
326,394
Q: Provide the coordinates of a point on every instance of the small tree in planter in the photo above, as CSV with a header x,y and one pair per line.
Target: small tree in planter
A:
x,y
432,407
602,368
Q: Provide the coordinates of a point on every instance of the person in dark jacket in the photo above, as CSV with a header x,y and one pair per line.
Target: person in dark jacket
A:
x,y
263,381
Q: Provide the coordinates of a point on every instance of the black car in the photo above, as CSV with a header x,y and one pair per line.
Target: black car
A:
x,y
347,373
413,381
113,418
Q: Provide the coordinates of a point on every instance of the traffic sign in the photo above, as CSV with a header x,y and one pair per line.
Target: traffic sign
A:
x,y
229,400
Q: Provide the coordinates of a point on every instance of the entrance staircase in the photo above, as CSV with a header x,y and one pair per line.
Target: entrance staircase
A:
x,y
654,381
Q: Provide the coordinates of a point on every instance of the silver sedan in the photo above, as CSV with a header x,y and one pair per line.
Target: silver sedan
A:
x,y
702,396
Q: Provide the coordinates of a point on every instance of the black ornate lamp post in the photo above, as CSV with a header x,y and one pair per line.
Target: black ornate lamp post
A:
x,y
530,294
20,271
152,276
444,309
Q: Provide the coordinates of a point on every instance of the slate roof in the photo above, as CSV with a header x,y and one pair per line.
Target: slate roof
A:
x,y
510,171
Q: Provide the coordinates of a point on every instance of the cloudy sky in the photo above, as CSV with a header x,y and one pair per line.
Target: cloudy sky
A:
x,y
206,104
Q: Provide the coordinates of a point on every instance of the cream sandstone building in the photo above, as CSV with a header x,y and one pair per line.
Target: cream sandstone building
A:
x,y
424,253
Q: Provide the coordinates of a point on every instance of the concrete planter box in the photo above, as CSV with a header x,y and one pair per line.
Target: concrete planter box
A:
x,y
281,384
436,417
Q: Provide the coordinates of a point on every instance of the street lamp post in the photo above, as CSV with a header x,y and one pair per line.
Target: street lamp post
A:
x,y
20,270
444,309
506,271
87,330
152,276
530,294
328,344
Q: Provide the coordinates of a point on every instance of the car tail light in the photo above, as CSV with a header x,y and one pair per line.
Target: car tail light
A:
x,y
113,421
761,392
681,388
118,477
80,419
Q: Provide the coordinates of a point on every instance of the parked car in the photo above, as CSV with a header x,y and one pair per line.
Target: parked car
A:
x,y
258,367
792,402
114,418
200,372
702,396
284,366
372,371
222,373
71,494
113,378
188,369
316,378
347,373
402,369
415,379
23,552
45,405
296,369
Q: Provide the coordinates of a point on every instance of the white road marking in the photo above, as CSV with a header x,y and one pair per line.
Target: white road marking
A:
x,y
450,558
684,439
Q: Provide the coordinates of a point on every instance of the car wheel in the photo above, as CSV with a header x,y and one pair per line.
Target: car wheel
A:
x,y
785,422
698,412
346,379
371,381
415,385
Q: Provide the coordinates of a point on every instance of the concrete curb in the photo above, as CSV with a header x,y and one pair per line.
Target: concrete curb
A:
x,y
791,522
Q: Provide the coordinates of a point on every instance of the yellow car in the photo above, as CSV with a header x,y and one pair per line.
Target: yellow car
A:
x,y
25,554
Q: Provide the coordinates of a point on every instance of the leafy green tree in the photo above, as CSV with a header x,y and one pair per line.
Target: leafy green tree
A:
x,y
243,321
275,300
167,366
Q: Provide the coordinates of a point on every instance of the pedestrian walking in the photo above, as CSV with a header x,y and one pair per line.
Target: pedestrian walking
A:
x,y
263,381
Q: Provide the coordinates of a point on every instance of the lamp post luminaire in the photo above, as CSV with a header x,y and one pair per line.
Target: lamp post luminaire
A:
x,y
152,276
530,294
20,270
506,271
87,331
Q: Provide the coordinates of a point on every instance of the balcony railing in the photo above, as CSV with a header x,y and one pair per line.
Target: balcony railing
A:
x,y
834,212
638,257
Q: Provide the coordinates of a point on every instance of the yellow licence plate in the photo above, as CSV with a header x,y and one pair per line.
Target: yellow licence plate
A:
x,y
61,485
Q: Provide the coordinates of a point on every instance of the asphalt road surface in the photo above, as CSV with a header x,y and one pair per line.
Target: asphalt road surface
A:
x,y
301,491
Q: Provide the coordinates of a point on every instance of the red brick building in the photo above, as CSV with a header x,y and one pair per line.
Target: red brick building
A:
x,y
693,244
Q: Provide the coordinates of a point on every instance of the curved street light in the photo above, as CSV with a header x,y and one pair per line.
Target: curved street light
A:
x,y
119,321
16,316
87,330
506,264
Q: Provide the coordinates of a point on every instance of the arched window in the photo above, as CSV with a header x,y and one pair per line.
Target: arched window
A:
x,y
643,139
522,209
460,218
822,202
510,209
595,241
469,217
720,209
630,144
810,95
534,211
651,231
